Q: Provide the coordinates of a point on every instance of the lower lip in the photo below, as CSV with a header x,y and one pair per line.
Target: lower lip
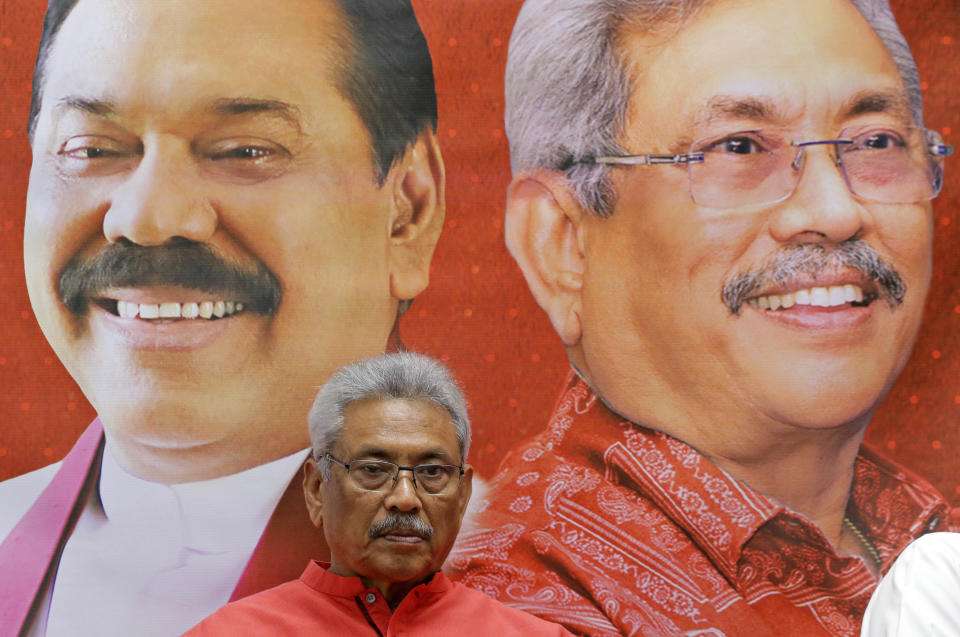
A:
x,y
815,318
170,335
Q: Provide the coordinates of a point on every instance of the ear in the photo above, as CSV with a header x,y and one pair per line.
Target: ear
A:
x,y
417,217
543,235
312,481
466,489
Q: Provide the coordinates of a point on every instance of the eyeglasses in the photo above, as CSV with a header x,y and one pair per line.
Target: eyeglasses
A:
x,y
375,475
758,167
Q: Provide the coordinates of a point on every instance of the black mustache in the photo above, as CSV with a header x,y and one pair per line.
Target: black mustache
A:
x,y
397,521
180,262
812,258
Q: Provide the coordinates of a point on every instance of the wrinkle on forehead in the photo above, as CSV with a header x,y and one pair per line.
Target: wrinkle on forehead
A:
x,y
739,60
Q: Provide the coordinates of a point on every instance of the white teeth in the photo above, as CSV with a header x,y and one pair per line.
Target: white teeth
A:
x,y
837,295
171,310
127,310
819,297
816,296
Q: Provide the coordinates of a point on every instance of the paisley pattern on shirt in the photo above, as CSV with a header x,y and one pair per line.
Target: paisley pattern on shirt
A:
x,y
613,529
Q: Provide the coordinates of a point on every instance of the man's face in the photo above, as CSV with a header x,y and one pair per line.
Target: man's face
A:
x,y
407,433
219,123
658,340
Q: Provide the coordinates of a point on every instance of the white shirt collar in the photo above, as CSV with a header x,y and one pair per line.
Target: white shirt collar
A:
x,y
212,516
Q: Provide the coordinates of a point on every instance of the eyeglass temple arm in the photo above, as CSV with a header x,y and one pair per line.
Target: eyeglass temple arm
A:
x,y
941,150
646,160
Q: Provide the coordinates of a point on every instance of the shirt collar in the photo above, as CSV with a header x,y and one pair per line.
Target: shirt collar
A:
x,y
223,514
318,577
720,513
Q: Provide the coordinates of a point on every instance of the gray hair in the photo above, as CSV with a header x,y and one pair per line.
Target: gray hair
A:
x,y
404,375
568,88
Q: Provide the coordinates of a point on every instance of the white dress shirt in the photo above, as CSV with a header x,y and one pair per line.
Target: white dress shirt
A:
x,y
151,559
920,596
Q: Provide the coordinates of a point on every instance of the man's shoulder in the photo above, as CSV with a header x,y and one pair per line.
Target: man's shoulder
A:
x,y
290,605
18,494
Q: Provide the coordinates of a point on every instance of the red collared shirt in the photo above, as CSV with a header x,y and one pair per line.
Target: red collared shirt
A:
x,y
610,528
321,603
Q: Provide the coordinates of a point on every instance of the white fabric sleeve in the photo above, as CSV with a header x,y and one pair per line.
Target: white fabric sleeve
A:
x,y
920,596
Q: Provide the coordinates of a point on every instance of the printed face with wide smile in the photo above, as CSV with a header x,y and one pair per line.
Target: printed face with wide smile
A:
x,y
800,312
205,239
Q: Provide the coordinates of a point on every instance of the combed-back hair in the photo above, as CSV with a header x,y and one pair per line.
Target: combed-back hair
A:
x,y
403,375
388,74
568,86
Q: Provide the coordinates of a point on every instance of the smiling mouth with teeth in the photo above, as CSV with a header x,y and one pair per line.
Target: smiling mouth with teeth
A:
x,y
207,310
833,296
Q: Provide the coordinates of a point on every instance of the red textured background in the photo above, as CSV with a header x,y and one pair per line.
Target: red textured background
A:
x,y
477,314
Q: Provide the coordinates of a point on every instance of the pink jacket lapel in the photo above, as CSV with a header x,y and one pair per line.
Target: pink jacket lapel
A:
x,y
29,555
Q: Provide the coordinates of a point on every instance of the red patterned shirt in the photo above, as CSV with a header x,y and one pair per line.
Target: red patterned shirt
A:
x,y
610,528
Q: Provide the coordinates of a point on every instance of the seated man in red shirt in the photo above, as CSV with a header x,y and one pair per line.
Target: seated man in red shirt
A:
x,y
388,486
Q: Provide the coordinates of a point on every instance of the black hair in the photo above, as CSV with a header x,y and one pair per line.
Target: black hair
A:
x,y
388,75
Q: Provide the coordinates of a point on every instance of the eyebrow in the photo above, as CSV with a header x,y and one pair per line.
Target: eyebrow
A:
x,y
893,102
378,453
101,108
232,106
728,106
223,107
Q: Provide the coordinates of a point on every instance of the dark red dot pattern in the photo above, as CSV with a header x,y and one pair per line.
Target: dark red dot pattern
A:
x,y
477,314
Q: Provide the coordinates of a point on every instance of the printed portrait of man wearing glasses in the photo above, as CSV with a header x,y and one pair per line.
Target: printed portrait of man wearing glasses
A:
x,y
724,208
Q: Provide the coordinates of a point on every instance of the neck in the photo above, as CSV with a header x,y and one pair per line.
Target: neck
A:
x,y
177,463
808,467
810,472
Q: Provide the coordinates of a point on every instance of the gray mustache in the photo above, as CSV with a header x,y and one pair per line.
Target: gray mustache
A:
x,y
181,262
396,521
790,262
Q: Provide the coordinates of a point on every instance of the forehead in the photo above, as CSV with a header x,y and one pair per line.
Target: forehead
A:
x,y
175,54
804,63
408,430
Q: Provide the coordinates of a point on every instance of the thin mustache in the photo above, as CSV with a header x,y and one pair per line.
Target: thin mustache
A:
x,y
788,264
181,262
401,521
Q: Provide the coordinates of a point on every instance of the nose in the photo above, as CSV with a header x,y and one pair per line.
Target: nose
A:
x,y
160,199
403,496
822,209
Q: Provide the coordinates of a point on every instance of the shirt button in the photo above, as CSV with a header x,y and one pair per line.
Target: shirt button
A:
x,y
371,598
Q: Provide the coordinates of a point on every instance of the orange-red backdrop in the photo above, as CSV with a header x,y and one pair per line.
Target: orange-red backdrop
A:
x,y
477,314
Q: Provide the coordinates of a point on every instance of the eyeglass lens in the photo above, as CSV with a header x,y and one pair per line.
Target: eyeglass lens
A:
x,y
759,167
374,475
